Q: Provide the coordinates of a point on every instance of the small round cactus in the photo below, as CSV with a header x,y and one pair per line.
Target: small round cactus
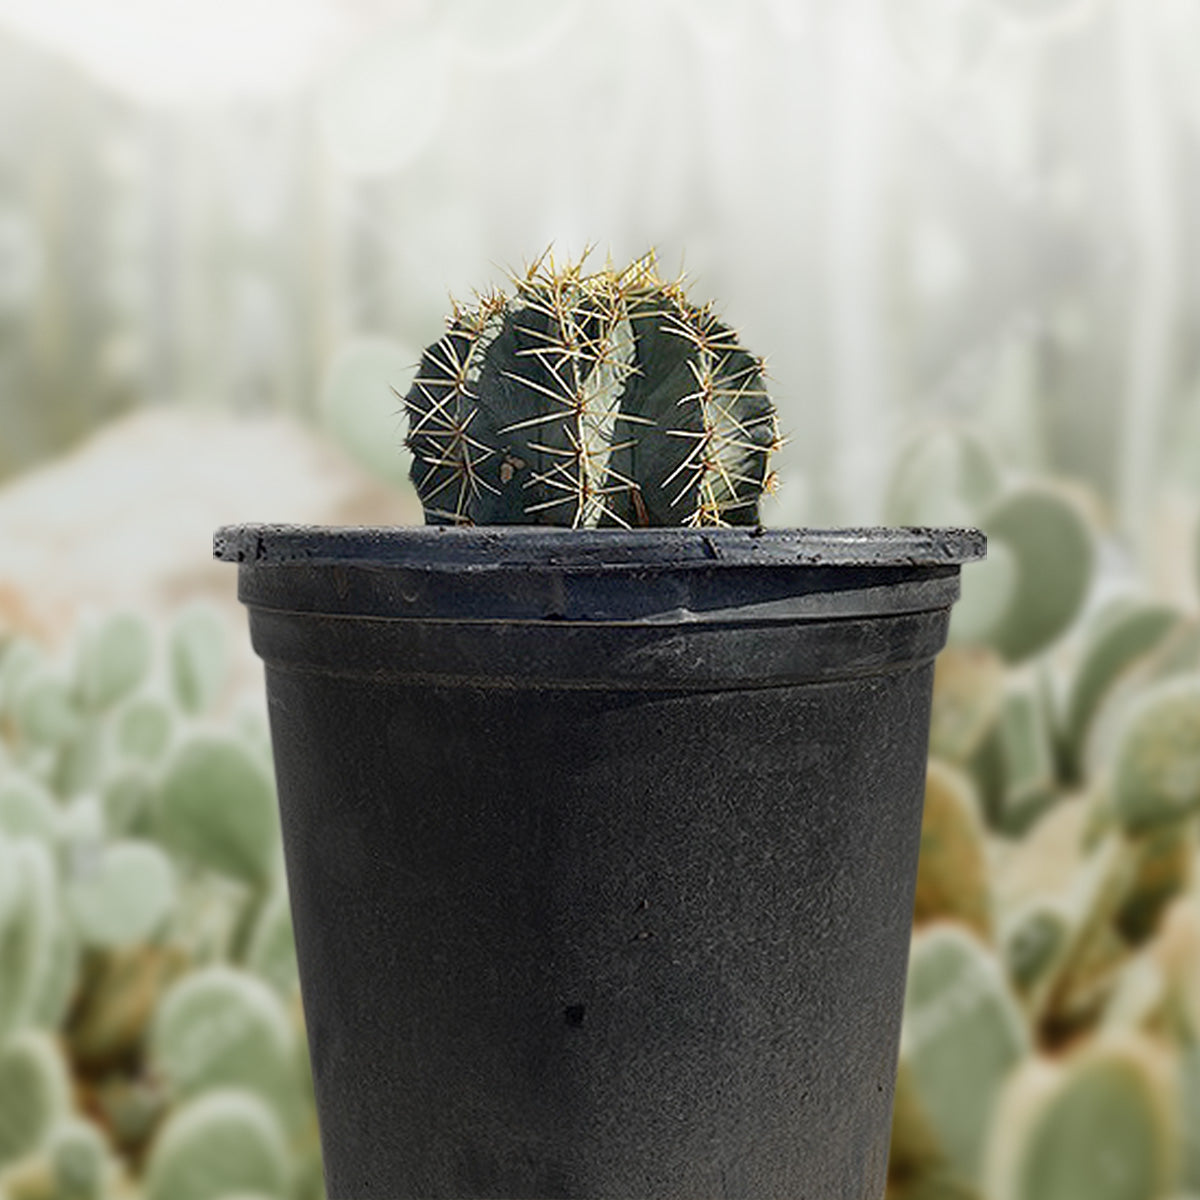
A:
x,y
590,399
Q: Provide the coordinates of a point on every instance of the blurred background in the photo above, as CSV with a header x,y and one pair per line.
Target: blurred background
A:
x,y
963,233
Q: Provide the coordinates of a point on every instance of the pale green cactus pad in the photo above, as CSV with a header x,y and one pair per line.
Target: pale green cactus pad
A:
x,y
198,655
27,809
143,728
217,808
220,1143
1156,774
1034,942
222,1027
1047,533
953,879
1099,1128
121,893
968,690
112,659
1118,637
35,1092
26,931
962,1035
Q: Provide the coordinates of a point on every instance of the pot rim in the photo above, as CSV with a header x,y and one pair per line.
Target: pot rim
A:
x,y
525,546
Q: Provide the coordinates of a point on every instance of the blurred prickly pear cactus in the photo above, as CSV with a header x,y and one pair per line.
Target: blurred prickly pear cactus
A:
x,y
222,1142
1099,1128
584,399
953,878
962,1034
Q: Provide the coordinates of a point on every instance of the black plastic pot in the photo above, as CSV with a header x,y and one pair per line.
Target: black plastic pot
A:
x,y
601,848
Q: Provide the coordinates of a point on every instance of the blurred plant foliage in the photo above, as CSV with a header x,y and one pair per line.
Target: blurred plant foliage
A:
x,y
151,1039
1051,1038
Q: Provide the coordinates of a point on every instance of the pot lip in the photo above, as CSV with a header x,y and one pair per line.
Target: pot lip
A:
x,y
532,546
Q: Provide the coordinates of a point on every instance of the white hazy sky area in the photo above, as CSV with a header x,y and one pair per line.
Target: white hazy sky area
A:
x,y
867,186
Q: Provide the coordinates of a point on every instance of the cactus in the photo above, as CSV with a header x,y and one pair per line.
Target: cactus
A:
x,y
962,1034
120,893
217,809
221,1027
590,399
1156,777
143,728
1099,1128
1015,766
26,931
112,659
127,799
1045,530
271,952
968,690
1166,857
220,1143
1035,941
45,708
1120,634
27,808
944,476
952,875
34,1092
198,657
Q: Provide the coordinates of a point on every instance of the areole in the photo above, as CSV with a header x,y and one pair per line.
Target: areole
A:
x,y
601,847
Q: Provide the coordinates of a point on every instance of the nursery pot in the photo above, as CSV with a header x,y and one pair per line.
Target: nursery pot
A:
x,y
601,848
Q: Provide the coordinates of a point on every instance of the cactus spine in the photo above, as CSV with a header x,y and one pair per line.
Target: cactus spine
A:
x,y
590,399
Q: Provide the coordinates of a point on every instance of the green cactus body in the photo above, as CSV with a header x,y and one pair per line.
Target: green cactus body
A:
x,y
952,875
112,659
1100,1128
80,1160
35,1092
968,691
127,799
221,1027
1166,858
1156,774
217,809
1120,635
219,1144
27,809
198,657
944,476
1045,530
1189,1114
1015,765
143,728
586,400
26,932
60,978
22,658
271,953
962,1034
1034,942
120,893
45,708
